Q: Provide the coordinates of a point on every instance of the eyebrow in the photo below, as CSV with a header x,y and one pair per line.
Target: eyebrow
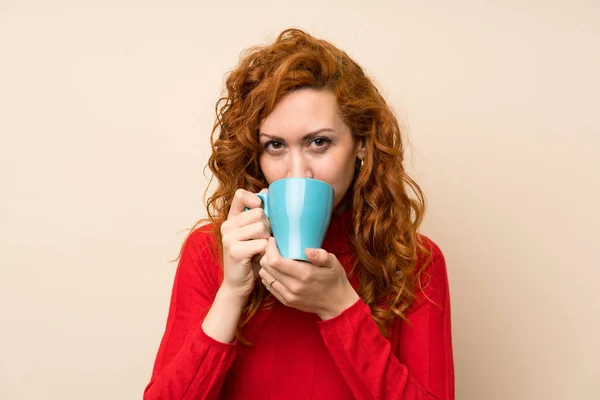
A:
x,y
305,137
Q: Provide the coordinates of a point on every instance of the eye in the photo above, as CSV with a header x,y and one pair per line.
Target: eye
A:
x,y
275,145
320,142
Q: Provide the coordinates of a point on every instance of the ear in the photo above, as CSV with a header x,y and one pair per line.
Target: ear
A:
x,y
360,148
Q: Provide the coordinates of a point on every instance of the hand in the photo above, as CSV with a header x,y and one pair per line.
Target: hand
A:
x,y
319,286
244,235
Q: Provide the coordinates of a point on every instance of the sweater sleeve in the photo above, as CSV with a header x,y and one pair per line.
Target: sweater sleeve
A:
x,y
189,363
417,364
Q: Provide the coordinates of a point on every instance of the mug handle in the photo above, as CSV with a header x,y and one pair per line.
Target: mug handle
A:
x,y
263,197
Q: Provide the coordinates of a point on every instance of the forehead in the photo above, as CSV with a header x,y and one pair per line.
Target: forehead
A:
x,y
301,112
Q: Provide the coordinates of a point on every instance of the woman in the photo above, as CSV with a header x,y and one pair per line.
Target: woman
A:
x,y
369,316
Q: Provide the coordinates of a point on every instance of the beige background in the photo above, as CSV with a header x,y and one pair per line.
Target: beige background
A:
x,y
105,111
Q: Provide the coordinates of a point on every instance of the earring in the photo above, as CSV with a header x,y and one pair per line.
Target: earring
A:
x,y
359,163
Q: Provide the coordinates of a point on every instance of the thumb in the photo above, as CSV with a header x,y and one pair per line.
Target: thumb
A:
x,y
319,257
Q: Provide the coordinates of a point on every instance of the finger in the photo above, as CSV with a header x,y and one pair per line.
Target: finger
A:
x,y
245,218
269,273
319,257
265,275
272,252
286,268
274,286
256,230
244,251
274,289
275,260
243,199
266,278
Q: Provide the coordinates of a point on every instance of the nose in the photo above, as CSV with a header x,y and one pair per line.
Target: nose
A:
x,y
299,166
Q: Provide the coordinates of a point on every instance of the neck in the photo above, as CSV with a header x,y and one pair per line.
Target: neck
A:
x,y
345,204
346,201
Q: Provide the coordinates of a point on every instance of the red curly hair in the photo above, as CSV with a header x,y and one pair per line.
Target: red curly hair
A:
x,y
388,206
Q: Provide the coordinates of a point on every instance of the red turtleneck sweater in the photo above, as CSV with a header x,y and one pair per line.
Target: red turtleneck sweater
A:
x,y
295,355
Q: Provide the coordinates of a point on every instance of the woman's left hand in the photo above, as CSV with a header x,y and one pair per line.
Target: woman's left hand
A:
x,y
319,286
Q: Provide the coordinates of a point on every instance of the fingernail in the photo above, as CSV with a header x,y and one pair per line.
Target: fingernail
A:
x,y
312,253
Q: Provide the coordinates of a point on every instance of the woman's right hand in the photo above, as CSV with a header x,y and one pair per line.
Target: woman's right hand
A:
x,y
244,235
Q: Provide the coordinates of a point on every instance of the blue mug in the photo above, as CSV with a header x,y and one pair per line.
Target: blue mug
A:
x,y
299,211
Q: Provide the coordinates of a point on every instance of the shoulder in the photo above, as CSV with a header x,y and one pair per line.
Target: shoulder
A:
x,y
433,251
201,241
432,274
200,253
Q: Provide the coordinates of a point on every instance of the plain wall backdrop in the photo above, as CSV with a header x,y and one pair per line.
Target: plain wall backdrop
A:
x,y
105,113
